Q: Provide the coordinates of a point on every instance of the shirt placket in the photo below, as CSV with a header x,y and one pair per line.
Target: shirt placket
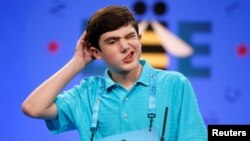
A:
x,y
124,113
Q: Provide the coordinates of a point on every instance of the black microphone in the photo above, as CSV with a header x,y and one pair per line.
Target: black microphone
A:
x,y
164,124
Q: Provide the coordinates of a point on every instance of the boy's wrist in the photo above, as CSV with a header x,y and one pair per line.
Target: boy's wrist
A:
x,y
77,64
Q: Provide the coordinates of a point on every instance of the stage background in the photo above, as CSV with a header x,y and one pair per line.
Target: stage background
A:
x,y
38,37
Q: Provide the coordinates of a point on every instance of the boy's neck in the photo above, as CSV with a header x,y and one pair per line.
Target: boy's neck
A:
x,y
127,79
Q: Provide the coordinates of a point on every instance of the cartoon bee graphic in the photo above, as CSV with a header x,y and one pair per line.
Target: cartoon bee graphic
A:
x,y
157,41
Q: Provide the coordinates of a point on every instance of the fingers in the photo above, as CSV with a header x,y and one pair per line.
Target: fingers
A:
x,y
84,36
84,39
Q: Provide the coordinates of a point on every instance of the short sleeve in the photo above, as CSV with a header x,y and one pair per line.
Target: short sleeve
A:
x,y
69,103
191,125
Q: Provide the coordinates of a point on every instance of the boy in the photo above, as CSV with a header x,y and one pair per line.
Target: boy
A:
x,y
129,98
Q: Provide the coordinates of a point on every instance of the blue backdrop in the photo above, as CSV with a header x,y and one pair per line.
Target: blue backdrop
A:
x,y
38,37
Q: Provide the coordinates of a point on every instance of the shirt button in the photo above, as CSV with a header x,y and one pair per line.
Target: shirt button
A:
x,y
126,99
125,115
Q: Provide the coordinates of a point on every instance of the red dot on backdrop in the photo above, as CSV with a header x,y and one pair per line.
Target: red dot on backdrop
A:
x,y
53,47
242,50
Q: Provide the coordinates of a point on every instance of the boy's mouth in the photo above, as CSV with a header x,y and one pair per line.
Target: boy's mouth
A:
x,y
129,57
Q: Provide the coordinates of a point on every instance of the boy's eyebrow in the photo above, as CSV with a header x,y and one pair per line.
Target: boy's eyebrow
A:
x,y
117,37
111,38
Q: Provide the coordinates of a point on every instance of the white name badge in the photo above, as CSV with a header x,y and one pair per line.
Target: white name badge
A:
x,y
138,135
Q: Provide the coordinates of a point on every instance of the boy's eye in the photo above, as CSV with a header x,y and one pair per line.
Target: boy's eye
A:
x,y
111,42
131,36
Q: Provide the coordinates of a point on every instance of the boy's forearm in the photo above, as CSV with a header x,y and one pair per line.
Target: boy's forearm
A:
x,y
40,101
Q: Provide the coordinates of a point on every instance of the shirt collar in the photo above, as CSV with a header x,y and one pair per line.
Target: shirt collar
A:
x,y
108,81
143,79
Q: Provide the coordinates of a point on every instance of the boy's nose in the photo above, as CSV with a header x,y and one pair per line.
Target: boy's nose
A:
x,y
124,49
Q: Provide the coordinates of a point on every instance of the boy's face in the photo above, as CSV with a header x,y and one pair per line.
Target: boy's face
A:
x,y
121,49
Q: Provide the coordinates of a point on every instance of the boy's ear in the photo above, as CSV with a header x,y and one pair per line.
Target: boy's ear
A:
x,y
95,52
139,36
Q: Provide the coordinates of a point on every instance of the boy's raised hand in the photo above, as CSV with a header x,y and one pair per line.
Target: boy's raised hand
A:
x,y
82,51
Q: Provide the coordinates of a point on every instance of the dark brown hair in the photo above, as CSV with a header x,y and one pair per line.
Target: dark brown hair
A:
x,y
108,19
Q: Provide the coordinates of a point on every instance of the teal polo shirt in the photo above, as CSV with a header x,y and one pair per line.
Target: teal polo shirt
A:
x,y
122,111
